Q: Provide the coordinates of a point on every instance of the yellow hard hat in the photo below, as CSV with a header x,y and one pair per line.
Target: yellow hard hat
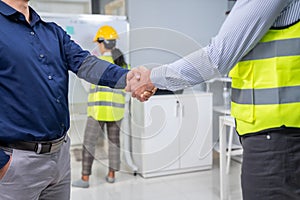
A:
x,y
106,33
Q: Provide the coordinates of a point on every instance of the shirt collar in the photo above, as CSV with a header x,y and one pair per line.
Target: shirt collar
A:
x,y
34,16
9,11
107,53
6,9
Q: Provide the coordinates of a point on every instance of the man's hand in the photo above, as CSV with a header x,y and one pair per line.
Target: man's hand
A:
x,y
4,169
139,84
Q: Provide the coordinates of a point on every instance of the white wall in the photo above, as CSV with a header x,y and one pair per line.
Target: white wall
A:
x,y
163,30
62,6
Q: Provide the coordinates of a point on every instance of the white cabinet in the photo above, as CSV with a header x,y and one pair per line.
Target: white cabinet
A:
x,y
172,134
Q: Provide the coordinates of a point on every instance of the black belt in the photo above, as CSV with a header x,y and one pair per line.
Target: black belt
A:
x,y
40,147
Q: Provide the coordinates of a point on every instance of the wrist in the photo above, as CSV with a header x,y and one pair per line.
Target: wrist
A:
x,y
158,77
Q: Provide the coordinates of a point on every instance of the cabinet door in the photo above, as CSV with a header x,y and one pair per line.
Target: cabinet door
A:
x,y
155,134
161,139
196,131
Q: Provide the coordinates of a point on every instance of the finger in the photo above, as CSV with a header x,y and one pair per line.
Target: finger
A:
x,y
146,95
140,98
135,74
130,75
133,95
128,88
154,90
132,81
138,92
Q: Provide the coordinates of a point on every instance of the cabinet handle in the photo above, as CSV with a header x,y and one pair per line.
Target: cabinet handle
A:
x,y
177,108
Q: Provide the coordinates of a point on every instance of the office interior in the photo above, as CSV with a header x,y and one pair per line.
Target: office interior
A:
x,y
171,145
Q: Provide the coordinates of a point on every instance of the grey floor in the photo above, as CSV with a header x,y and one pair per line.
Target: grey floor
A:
x,y
202,185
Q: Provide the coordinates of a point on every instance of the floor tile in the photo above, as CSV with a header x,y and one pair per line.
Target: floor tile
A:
x,y
202,185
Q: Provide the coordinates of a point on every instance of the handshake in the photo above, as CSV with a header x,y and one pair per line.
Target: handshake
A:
x,y
139,84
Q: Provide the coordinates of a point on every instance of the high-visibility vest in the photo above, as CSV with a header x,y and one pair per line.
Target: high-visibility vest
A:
x,y
104,103
266,83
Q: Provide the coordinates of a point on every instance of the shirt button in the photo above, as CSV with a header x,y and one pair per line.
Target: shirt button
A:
x,y
42,56
32,33
50,77
268,137
57,100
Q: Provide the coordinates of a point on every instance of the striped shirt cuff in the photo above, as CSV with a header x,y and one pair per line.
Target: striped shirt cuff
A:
x,y
158,77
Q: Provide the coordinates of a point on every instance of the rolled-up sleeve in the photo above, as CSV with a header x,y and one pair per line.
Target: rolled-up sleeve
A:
x,y
91,68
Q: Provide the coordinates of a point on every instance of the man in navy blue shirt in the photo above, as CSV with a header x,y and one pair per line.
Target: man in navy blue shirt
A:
x,y
35,57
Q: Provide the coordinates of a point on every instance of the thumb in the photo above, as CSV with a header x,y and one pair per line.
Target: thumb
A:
x,y
137,75
129,76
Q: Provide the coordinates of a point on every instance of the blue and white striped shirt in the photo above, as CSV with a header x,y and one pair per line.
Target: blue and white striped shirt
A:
x,y
246,24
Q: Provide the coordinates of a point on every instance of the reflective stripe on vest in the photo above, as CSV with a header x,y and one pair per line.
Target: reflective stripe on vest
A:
x,y
266,83
104,103
105,89
281,95
275,49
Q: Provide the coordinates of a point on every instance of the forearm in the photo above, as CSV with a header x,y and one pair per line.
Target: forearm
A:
x,y
100,72
185,72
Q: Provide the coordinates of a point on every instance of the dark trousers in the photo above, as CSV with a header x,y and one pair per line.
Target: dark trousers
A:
x,y
94,129
271,166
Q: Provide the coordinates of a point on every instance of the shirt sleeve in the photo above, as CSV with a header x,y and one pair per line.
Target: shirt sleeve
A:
x,y
101,72
73,54
4,158
242,29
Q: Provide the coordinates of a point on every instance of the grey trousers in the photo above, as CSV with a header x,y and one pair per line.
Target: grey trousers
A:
x,y
32,176
93,131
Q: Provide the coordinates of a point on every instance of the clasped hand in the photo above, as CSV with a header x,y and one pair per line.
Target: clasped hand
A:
x,y
139,84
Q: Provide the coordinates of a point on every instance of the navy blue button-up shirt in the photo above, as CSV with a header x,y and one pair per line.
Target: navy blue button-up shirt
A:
x,y
35,60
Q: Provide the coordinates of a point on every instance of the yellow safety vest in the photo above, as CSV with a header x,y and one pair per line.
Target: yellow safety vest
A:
x,y
266,83
104,103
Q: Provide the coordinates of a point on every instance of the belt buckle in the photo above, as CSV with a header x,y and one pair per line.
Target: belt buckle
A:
x,y
41,148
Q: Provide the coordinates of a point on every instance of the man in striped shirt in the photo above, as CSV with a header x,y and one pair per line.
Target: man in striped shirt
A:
x,y
259,46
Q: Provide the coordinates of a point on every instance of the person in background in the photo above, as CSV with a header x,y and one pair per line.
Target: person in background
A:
x,y
259,45
35,59
105,109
